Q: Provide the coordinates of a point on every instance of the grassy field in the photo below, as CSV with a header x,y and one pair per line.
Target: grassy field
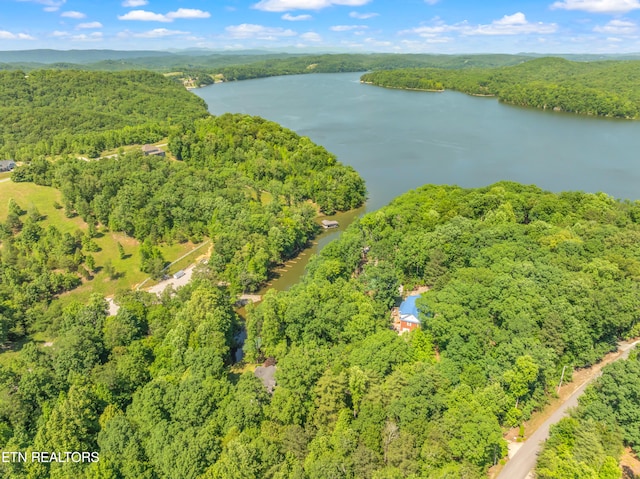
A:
x,y
128,268
29,195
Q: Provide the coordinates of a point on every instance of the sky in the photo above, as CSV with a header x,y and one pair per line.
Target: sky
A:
x,y
403,26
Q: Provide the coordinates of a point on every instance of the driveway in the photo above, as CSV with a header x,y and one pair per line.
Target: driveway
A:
x,y
176,283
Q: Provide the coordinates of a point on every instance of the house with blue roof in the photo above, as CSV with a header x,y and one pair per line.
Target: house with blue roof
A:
x,y
409,314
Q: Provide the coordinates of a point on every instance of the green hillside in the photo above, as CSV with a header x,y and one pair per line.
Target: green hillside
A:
x,y
51,112
605,88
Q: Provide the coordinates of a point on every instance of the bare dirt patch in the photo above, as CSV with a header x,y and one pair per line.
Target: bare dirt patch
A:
x,y
630,465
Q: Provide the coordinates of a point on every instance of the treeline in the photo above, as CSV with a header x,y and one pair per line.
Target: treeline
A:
x,y
405,79
232,67
230,162
52,112
339,63
268,62
36,264
523,282
272,158
589,443
591,88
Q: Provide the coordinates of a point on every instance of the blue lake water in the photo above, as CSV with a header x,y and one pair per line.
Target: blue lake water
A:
x,y
398,140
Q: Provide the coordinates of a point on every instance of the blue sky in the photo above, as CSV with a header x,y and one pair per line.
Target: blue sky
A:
x,y
431,26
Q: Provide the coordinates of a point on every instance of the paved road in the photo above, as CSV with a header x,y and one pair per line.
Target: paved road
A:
x,y
176,283
158,288
522,464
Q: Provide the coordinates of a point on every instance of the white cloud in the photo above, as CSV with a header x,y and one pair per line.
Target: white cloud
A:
x,y
134,3
260,32
49,5
516,24
89,25
72,14
159,32
146,16
431,2
617,27
59,34
598,6
295,18
515,19
5,35
363,16
284,5
347,28
311,37
188,13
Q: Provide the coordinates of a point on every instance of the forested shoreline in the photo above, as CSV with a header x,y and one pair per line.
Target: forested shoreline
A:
x,y
53,112
520,283
232,67
589,88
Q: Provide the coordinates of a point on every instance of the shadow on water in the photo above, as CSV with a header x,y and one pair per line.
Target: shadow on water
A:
x,y
293,270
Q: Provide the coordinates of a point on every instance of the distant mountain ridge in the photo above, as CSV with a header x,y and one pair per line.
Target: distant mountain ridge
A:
x,y
75,56
50,56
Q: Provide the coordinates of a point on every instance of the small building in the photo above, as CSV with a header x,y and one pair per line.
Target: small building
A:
x,y
7,165
179,274
266,373
409,315
150,150
327,224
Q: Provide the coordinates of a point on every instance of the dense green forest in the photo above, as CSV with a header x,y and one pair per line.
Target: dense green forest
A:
x,y
591,88
588,444
338,63
522,282
51,112
230,67
229,162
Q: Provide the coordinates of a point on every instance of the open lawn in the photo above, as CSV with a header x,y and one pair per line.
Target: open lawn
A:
x,y
127,269
29,195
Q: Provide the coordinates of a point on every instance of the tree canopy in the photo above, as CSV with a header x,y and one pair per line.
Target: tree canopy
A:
x,y
601,88
51,112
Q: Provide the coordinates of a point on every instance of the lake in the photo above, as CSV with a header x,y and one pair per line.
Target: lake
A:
x,y
398,140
